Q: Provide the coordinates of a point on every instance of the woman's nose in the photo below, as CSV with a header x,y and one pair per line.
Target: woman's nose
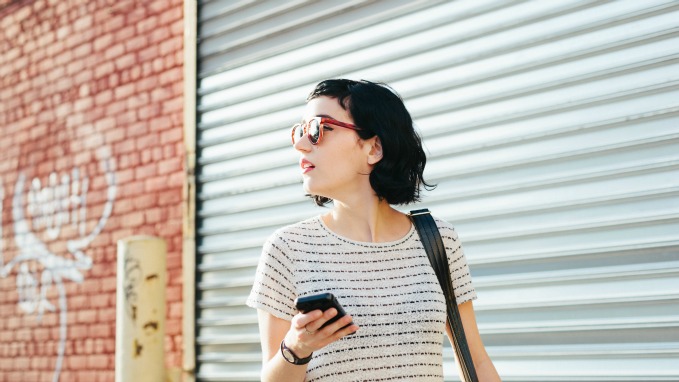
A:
x,y
302,144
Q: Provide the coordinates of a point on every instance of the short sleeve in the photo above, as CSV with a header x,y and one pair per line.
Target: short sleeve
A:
x,y
457,261
274,288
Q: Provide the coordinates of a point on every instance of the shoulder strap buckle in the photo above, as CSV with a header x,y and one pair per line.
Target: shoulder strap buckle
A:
x,y
423,211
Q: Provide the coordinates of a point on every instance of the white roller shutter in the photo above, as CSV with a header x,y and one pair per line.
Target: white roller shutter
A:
x,y
553,134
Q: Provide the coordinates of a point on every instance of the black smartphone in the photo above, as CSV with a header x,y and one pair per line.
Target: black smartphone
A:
x,y
323,301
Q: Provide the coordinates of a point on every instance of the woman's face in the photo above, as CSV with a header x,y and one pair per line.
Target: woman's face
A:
x,y
337,165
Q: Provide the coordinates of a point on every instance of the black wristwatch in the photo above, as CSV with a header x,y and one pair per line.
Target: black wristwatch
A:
x,y
292,357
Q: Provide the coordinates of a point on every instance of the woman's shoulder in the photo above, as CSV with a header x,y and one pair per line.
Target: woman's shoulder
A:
x,y
305,227
445,227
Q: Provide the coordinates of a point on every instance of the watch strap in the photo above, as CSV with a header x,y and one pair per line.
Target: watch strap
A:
x,y
296,360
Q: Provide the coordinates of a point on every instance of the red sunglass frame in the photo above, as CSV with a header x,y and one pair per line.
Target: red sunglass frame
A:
x,y
321,122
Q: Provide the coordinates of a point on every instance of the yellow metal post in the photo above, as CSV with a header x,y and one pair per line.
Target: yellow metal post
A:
x,y
140,309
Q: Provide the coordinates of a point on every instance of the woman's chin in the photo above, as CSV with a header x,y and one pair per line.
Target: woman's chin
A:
x,y
305,186
310,190
310,187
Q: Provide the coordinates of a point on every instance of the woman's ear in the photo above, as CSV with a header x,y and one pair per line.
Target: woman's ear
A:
x,y
375,153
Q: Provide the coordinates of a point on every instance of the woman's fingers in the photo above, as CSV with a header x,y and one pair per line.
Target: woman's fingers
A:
x,y
316,319
337,327
341,327
351,329
309,334
301,320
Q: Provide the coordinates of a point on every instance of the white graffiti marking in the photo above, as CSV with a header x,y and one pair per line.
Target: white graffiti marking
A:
x,y
53,206
50,206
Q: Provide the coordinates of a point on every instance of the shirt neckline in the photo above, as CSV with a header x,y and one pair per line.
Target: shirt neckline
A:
x,y
403,239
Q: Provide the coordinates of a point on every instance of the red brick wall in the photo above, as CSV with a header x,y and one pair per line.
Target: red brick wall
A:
x,y
95,86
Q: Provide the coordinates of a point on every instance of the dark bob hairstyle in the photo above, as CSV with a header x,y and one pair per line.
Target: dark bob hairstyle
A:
x,y
379,110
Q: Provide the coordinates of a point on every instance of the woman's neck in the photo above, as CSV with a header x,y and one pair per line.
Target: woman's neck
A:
x,y
374,221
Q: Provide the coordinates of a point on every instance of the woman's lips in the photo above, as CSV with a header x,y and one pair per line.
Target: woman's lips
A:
x,y
306,166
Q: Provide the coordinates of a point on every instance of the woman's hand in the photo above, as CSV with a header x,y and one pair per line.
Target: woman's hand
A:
x,y
302,335
306,336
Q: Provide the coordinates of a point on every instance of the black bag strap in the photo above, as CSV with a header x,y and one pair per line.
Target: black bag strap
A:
x,y
433,245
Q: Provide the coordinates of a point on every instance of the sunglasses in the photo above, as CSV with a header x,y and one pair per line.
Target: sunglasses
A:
x,y
314,129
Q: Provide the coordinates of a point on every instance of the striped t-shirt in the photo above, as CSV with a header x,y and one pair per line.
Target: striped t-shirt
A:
x,y
390,290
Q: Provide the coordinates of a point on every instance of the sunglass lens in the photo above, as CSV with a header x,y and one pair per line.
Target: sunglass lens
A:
x,y
314,131
297,132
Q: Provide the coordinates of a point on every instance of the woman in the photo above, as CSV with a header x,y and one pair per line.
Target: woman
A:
x,y
358,149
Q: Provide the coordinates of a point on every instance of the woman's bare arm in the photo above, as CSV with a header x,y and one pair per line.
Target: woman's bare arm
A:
x,y
485,370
